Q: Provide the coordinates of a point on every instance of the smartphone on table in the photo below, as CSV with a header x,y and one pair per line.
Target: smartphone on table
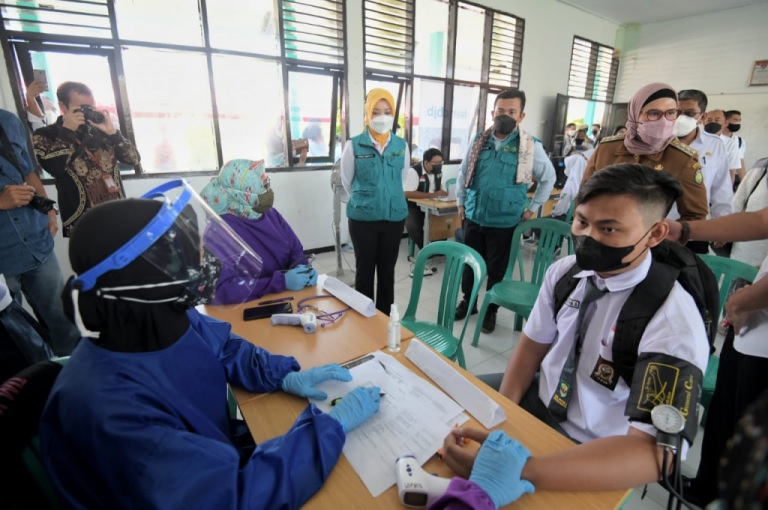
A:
x,y
266,311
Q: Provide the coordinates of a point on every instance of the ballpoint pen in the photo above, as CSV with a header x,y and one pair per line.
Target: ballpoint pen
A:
x,y
275,301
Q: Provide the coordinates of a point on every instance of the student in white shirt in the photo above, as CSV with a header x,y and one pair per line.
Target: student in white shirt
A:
x,y
731,126
618,218
574,169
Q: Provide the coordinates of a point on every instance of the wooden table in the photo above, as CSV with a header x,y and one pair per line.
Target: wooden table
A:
x,y
350,337
272,415
441,218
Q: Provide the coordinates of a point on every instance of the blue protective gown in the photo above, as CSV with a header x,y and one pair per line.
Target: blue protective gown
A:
x,y
151,430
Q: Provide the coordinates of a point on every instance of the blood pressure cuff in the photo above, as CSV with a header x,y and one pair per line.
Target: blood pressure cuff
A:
x,y
663,379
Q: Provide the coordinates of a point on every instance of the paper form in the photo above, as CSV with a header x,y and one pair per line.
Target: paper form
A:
x,y
414,417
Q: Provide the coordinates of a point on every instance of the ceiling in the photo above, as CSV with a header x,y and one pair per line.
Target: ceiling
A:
x,y
649,11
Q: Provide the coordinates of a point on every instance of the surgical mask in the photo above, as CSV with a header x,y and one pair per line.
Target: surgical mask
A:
x,y
734,127
684,125
571,132
712,127
382,123
656,132
592,255
504,124
266,200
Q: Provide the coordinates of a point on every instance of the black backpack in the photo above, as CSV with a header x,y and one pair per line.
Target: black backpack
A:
x,y
671,262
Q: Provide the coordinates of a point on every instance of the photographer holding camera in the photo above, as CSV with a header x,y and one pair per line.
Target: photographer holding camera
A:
x,y
27,226
81,151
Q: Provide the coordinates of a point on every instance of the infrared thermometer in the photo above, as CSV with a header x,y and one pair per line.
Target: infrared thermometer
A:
x,y
415,487
307,320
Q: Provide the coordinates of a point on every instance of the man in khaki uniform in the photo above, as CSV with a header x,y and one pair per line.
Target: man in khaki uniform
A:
x,y
678,159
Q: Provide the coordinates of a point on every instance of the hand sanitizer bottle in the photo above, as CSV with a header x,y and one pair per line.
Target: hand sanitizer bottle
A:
x,y
393,330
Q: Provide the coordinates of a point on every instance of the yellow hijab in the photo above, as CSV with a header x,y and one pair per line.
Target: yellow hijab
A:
x,y
374,96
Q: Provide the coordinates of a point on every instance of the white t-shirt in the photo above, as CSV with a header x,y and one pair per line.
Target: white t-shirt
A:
x,y
731,147
752,340
412,181
594,410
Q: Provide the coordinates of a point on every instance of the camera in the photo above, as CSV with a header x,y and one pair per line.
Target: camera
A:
x,y
41,204
89,113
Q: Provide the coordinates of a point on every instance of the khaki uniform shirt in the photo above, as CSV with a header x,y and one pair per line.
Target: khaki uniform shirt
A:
x,y
678,159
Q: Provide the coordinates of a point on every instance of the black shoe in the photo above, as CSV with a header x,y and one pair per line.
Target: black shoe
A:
x,y
489,323
461,310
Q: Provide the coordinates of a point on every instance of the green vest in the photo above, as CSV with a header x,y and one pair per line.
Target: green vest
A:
x,y
377,188
494,199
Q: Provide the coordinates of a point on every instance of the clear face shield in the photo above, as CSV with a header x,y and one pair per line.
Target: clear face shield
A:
x,y
186,255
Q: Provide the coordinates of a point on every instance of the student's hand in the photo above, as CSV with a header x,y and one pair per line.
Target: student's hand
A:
x,y
73,119
499,467
675,229
14,196
356,407
734,309
302,383
53,222
298,277
456,454
35,89
460,208
527,215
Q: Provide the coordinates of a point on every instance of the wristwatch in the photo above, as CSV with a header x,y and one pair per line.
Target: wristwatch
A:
x,y
670,422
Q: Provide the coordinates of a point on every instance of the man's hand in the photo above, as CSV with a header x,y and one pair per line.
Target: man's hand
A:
x,y
461,212
14,196
675,229
527,215
458,455
53,222
105,127
73,119
734,309
438,193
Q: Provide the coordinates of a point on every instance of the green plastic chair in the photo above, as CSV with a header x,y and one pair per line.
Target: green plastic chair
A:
x,y
726,270
439,334
519,294
411,244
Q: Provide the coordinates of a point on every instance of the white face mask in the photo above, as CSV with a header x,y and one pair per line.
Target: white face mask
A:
x,y
382,123
684,125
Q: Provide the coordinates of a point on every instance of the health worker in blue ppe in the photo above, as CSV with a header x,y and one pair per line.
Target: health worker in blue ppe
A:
x,y
138,417
242,195
374,167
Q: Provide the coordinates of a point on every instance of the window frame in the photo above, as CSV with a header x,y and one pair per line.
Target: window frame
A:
x,y
16,46
590,92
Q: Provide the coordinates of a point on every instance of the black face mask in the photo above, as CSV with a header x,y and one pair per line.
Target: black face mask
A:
x,y
592,255
712,127
734,127
504,124
579,142
437,168
595,131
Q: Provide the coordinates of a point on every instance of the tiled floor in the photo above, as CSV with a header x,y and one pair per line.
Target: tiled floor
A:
x,y
493,350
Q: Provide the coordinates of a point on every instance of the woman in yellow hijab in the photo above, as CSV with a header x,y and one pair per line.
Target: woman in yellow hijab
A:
x,y
374,166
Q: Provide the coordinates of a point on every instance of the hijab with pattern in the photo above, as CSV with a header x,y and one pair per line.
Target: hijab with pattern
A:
x,y
373,97
237,188
642,97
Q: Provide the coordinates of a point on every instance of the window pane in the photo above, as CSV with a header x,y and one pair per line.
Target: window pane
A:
x,y
428,114
252,29
463,113
431,37
249,96
148,20
584,113
469,43
485,122
75,19
173,123
311,106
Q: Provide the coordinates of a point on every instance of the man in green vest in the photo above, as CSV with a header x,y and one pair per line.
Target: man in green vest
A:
x,y
491,191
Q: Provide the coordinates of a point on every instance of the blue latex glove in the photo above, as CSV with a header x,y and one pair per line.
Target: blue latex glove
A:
x,y
301,383
356,407
498,469
312,276
297,278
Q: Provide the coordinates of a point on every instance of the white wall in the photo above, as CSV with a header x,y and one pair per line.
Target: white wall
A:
x,y
305,198
710,52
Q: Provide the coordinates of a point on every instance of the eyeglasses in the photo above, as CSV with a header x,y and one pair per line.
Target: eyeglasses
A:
x,y
657,114
689,113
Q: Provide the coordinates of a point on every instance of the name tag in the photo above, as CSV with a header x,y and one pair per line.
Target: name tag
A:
x,y
364,156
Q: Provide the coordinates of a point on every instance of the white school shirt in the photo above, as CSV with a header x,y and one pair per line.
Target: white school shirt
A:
x,y
412,181
752,339
732,149
595,411
717,176
574,169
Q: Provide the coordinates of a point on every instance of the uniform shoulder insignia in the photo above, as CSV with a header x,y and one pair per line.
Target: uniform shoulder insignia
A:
x,y
612,138
677,144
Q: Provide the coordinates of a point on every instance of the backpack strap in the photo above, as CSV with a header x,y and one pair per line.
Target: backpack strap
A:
x,y
565,287
640,307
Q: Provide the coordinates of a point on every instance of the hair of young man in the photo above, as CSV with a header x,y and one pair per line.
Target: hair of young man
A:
x,y
694,95
596,125
582,130
654,191
731,113
65,90
431,153
570,124
511,94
